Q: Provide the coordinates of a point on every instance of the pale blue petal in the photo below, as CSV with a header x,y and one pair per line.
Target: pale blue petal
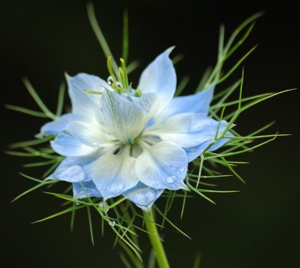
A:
x,y
196,151
188,129
88,134
162,166
66,145
143,196
85,189
120,117
221,142
69,173
75,169
160,77
197,103
114,174
209,135
148,104
83,102
56,126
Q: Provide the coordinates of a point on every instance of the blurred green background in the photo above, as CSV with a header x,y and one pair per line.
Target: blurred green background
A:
x,y
258,227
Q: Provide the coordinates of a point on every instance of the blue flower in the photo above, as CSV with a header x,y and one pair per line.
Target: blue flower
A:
x,y
134,143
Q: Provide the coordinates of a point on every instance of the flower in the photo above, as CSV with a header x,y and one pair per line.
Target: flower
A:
x,y
134,143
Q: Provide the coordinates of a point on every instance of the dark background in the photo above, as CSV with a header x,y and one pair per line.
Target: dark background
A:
x,y
258,227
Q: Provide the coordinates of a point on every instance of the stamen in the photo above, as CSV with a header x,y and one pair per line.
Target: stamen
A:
x,y
138,92
119,85
123,73
119,82
110,69
110,80
92,91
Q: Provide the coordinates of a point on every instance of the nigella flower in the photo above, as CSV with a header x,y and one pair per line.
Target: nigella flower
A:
x,y
134,143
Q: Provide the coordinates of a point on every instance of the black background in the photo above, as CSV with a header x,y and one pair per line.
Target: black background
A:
x,y
258,227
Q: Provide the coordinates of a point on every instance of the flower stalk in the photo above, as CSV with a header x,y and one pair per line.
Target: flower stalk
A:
x,y
156,240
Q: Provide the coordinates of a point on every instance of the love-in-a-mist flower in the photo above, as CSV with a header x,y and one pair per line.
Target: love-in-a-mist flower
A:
x,y
131,142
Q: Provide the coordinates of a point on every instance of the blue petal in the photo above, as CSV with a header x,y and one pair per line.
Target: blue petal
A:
x,y
66,145
69,173
143,196
85,189
75,169
210,135
56,126
221,142
196,103
162,166
194,152
160,77
186,130
83,102
114,174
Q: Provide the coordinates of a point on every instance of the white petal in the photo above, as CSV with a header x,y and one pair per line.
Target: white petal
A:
x,y
160,77
162,166
114,174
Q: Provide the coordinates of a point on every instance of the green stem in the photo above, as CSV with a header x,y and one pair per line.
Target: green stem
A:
x,y
156,240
